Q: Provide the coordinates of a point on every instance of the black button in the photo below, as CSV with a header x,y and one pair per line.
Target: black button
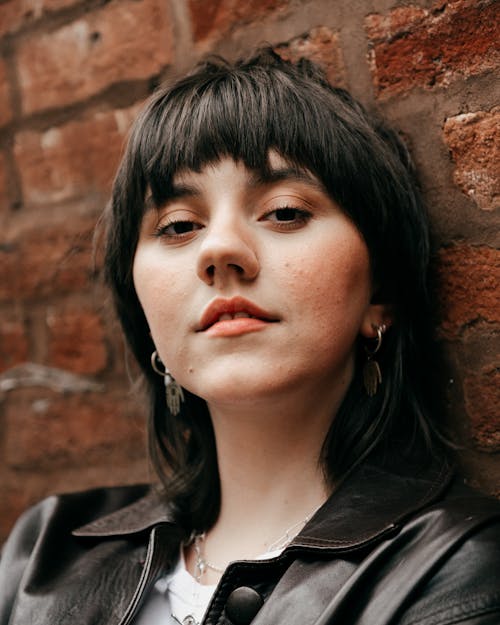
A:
x,y
243,604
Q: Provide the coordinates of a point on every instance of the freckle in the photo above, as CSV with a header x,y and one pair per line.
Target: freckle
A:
x,y
190,370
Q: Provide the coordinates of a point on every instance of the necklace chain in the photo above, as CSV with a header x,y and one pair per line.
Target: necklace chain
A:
x,y
187,620
202,564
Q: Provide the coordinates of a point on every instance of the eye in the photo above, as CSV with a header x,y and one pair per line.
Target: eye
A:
x,y
288,217
176,229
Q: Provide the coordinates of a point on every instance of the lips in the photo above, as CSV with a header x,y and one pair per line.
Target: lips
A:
x,y
231,311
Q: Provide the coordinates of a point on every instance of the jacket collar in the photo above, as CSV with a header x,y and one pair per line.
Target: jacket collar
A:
x,y
372,502
139,516
368,504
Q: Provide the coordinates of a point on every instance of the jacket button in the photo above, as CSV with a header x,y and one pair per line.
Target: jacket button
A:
x,y
242,605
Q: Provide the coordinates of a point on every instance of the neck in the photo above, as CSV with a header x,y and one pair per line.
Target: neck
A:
x,y
270,474
270,462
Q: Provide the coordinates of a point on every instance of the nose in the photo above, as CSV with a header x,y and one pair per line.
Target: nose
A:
x,y
227,253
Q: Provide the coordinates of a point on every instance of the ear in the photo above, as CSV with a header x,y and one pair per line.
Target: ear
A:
x,y
376,315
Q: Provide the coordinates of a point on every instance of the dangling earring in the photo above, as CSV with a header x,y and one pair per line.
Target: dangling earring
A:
x,y
372,376
173,391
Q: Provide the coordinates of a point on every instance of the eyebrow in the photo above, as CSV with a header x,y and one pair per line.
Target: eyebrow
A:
x,y
286,173
181,190
176,191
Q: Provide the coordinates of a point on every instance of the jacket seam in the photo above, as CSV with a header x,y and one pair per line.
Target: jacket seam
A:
x,y
445,617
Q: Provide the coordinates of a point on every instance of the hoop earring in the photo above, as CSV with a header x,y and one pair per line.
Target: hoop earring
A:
x,y
372,376
173,391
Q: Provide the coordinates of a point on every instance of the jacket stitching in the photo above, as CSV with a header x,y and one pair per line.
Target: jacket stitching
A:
x,y
462,610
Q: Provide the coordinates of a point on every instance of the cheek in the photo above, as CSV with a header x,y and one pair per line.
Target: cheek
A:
x,y
160,288
155,286
333,282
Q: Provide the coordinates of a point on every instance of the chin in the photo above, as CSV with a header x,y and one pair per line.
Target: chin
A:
x,y
237,393
239,388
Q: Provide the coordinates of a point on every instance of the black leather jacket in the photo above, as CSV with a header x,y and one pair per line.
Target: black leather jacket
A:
x,y
385,549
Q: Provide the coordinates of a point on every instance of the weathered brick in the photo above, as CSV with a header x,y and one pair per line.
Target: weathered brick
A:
x,y
4,196
468,279
400,20
76,341
322,46
44,429
482,402
47,260
13,343
14,14
417,47
217,17
474,142
122,41
72,160
5,106
13,501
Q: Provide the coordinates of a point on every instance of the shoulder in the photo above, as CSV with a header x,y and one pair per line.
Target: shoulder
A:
x,y
44,533
460,554
69,511
462,512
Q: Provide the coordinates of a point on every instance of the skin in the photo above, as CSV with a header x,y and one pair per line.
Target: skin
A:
x,y
272,388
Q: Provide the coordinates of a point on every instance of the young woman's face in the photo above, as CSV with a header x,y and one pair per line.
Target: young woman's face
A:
x,y
254,287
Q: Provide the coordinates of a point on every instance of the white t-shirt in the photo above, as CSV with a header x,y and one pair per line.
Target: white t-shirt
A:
x,y
176,595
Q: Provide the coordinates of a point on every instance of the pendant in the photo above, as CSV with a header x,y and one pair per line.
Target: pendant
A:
x,y
187,620
372,377
174,394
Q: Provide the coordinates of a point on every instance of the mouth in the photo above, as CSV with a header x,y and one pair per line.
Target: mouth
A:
x,y
234,316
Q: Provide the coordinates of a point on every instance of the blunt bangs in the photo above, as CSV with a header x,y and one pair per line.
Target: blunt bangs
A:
x,y
245,112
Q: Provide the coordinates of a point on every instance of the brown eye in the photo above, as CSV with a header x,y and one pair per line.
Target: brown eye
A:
x,y
175,229
288,216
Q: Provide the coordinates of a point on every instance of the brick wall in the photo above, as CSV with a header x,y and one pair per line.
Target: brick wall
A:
x,y
72,75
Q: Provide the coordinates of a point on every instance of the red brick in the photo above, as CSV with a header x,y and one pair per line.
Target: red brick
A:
x,y
14,14
218,17
122,41
76,341
468,279
47,260
399,21
4,196
415,47
474,142
13,344
482,402
13,501
44,429
322,46
5,106
73,160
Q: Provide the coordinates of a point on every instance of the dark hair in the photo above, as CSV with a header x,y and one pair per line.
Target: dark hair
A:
x,y
244,110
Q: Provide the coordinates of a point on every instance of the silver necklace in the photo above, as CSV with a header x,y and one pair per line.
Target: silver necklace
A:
x,y
202,564
188,620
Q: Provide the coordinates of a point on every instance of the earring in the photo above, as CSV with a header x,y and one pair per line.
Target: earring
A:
x,y
372,376
173,391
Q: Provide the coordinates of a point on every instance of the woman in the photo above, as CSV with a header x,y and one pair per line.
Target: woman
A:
x,y
268,254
